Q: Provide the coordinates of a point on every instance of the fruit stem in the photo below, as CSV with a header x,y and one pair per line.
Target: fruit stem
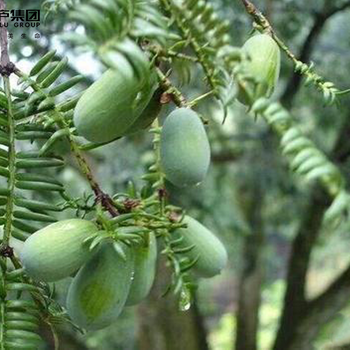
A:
x,y
167,87
161,185
160,52
196,100
101,197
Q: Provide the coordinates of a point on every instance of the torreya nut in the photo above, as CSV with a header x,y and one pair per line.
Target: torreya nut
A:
x,y
109,107
263,64
99,291
184,148
144,271
148,115
211,253
57,250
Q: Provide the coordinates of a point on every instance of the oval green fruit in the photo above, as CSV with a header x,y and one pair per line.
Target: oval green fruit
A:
x,y
184,148
148,115
144,271
99,291
110,106
263,64
57,250
211,253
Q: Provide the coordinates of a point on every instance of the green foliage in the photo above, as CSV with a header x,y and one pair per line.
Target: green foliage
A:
x,y
19,317
202,30
143,37
305,158
113,26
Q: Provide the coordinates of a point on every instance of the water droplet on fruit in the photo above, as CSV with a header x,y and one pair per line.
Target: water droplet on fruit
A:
x,y
185,301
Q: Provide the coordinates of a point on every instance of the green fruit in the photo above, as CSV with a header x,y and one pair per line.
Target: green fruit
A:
x,y
99,291
263,65
184,148
110,106
144,271
148,115
211,253
57,250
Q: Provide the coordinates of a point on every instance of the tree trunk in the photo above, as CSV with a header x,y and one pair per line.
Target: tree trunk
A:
x,y
301,320
294,300
162,326
251,274
322,310
67,339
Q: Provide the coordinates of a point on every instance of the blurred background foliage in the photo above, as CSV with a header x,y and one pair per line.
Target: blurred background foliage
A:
x,y
250,198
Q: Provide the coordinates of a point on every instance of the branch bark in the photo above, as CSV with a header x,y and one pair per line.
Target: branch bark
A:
x,y
322,310
294,300
5,60
252,272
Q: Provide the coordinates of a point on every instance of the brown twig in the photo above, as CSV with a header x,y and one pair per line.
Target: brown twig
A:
x,y
5,60
7,67
170,90
262,21
101,197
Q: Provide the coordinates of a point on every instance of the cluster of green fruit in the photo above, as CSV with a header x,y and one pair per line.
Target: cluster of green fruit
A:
x,y
119,104
105,281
